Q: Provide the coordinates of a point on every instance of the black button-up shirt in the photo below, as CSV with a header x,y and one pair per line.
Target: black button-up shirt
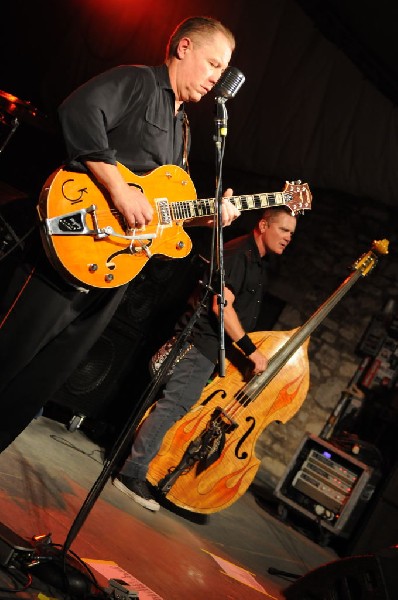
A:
x,y
126,114
246,276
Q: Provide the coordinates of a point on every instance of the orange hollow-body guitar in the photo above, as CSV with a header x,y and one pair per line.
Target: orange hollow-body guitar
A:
x,y
88,241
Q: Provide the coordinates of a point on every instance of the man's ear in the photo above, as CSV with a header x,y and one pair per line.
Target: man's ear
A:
x,y
184,45
262,225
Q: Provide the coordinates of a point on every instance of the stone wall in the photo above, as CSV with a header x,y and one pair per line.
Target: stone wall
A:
x,y
328,241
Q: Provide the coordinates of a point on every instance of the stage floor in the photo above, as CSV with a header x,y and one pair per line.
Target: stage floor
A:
x,y
45,477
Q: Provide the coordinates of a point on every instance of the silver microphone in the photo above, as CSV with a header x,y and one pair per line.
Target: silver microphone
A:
x,y
229,83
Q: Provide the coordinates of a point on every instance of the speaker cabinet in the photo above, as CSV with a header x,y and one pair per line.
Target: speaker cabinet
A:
x,y
97,381
379,527
114,373
327,485
369,577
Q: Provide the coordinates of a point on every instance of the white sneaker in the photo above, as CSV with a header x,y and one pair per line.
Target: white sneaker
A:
x,y
138,490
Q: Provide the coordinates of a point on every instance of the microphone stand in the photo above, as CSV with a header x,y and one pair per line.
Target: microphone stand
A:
x,y
153,388
150,394
46,551
221,119
146,400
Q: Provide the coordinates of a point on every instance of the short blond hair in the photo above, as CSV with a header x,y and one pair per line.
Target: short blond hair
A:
x,y
272,212
197,27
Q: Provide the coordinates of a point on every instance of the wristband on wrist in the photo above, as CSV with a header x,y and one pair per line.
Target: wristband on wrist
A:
x,y
246,345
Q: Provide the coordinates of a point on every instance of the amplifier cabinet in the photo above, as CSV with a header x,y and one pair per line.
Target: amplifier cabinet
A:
x,y
327,485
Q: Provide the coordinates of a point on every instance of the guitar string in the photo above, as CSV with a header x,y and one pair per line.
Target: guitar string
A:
x,y
207,204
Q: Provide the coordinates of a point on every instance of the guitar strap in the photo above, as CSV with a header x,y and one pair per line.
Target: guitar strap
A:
x,y
185,135
160,356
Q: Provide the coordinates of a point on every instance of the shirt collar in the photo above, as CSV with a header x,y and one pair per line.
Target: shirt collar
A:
x,y
253,248
163,80
162,77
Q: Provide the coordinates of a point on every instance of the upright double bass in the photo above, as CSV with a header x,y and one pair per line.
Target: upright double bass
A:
x,y
207,459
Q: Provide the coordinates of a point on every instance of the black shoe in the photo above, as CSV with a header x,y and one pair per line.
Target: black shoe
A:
x,y
138,490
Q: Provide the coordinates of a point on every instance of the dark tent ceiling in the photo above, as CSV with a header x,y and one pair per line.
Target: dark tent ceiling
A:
x,y
366,32
321,92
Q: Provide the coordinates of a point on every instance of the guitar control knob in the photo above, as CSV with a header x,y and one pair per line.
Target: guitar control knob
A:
x,y
92,268
109,277
180,245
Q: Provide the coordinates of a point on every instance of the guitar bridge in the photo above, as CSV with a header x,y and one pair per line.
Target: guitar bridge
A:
x,y
74,223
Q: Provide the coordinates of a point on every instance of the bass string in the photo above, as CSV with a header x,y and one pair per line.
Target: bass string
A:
x,y
242,399
237,404
244,396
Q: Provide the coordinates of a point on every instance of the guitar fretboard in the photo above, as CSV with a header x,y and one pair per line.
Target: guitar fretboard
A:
x,y
202,208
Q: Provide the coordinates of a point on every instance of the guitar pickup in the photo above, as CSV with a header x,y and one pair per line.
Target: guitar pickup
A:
x,y
74,223
164,214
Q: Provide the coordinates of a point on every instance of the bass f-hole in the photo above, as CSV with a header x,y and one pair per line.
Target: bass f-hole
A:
x,y
244,437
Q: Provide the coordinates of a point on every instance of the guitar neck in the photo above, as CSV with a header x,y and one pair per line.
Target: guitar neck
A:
x,y
189,209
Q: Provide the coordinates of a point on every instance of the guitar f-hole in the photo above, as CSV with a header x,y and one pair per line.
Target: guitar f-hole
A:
x,y
136,185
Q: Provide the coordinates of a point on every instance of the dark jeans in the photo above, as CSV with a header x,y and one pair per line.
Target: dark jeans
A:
x,y
181,391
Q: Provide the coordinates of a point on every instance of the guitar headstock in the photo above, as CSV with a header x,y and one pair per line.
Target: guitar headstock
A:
x,y
298,196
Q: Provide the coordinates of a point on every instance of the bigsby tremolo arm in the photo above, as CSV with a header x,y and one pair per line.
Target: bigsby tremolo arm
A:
x,y
75,223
